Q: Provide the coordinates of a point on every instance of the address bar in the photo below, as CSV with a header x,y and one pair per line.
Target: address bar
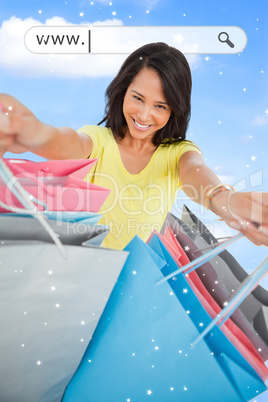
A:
x,y
83,39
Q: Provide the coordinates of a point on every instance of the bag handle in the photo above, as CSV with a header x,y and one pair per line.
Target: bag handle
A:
x,y
246,287
196,263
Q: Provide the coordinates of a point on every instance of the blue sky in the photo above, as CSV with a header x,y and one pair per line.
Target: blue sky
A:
x,y
229,102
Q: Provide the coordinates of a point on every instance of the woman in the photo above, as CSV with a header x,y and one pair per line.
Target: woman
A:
x,y
142,153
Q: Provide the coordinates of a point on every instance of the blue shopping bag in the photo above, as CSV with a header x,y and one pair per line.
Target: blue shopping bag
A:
x,y
141,347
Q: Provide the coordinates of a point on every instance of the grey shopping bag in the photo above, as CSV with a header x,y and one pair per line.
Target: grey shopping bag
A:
x,y
49,308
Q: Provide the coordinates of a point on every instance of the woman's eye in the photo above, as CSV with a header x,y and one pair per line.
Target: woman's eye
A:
x,y
161,107
138,98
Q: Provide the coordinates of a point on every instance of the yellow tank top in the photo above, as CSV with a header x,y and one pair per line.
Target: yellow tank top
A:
x,y
137,203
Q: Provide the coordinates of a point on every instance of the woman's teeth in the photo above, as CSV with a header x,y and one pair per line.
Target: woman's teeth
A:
x,y
141,125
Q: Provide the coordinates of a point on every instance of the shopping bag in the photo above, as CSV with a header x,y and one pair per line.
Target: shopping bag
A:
x,y
230,329
255,306
192,243
17,227
142,344
49,308
58,184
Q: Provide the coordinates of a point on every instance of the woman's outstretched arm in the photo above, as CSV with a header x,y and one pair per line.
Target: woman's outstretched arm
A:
x,y
21,131
244,211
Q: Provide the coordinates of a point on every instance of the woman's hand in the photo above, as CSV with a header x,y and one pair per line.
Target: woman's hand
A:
x,y
20,130
246,212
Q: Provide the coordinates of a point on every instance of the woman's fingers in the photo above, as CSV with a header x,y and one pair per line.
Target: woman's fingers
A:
x,y
258,234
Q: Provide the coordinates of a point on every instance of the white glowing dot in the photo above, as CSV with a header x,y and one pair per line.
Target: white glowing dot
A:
x,y
244,89
38,363
149,392
133,354
128,400
10,108
216,282
147,11
253,158
82,322
185,388
184,15
171,389
81,14
207,58
134,272
219,122
53,288
186,248
157,348
89,361
152,340
114,13
24,313
57,305
81,340
49,272
45,323
220,72
129,16
259,350
39,11
188,311
152,366
110,4
185,290
201,324
180,351
22,345
225,303
171,293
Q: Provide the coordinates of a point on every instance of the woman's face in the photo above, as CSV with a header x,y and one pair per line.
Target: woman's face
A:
x,y
145,107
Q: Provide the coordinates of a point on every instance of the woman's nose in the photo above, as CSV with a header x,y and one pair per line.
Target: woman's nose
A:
x,y
144,114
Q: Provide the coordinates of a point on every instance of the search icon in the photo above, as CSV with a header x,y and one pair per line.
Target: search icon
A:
x,y
224,38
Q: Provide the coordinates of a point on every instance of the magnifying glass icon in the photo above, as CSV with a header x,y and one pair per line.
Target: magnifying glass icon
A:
x,y
224,38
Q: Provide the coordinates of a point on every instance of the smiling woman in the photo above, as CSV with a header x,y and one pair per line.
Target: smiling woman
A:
x,y
143,156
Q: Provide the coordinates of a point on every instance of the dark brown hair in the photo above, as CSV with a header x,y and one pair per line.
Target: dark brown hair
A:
x,y
175,73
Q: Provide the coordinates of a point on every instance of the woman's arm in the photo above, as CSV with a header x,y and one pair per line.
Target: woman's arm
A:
x,y
21,131
244,211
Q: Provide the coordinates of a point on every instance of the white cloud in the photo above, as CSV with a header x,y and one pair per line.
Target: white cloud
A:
x,y
15,56
261,120
227,179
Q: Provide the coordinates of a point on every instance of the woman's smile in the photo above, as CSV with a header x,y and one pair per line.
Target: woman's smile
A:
x,y
145,107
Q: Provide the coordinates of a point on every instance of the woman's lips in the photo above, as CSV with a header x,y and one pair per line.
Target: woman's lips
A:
x,y
139,126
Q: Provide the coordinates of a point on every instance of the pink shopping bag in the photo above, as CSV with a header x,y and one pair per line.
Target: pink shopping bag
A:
x,y
58,184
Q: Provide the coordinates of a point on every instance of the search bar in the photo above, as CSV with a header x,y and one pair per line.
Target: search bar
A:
x,y
125,39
